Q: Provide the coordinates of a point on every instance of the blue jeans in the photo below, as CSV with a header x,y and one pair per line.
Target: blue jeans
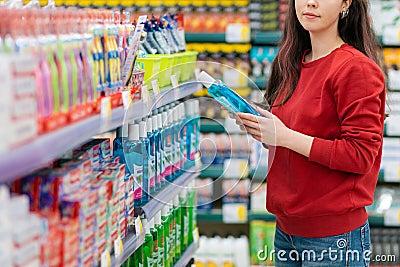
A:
x,y
351,249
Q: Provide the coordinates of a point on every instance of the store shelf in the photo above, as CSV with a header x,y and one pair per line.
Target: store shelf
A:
x,y
45,148
261,216
212,126
376,220
168,193
130,245
205,37
214,215
266,38
187,255
212,171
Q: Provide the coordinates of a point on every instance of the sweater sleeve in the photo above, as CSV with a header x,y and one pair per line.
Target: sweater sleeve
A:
x,y
359,93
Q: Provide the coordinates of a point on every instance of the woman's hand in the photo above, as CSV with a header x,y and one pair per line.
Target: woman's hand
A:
x,y
269,130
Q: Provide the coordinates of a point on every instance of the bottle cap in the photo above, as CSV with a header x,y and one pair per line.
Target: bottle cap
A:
x,y
164,119
133,133
206,79
159,120
149,124
142,129
154,122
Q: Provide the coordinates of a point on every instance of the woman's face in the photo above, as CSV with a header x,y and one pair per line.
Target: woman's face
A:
x,y
320,15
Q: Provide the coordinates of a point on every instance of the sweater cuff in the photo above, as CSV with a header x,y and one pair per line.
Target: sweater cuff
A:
x,y
321,151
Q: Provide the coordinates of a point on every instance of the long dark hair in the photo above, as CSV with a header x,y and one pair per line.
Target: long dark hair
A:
x,y
355,29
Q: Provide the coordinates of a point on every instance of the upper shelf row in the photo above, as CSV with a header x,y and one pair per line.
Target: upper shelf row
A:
x,y
45,148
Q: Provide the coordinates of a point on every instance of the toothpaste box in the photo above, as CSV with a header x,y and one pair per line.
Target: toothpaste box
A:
x,y
105,148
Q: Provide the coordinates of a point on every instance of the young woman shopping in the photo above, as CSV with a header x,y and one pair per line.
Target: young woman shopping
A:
x,y
324,130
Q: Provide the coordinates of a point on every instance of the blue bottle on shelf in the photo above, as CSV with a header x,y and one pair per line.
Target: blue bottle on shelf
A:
x,y
145,156
157,156
167,145
226,96
160,149
189,133
134,161
152,155
118,143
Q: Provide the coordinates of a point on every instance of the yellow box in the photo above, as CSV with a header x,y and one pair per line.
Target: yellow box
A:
x,y
166,68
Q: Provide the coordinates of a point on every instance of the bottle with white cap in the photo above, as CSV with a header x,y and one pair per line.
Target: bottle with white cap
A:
x,y
160,149
178,226
168,145
157,157
177,139
152,155
134,161
160,239
145,156
118,143
189,130
182,128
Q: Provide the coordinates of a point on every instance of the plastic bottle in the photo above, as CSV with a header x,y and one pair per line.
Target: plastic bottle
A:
x,y
167,145
178,228
148,244
191,212
166,222
183,202
157,156
161,240
172,232
189,129
145,157
119,143
152,155
134,161
177,136
183,132
154,233
196,130
160,149
226,96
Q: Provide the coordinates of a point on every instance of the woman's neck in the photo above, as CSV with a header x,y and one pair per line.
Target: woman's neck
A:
x,y
322,45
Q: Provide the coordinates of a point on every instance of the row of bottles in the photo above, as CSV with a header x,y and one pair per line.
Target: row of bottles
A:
x,y
161,147
169,233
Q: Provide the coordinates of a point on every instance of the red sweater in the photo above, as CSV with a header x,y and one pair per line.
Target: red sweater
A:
x,y
340,101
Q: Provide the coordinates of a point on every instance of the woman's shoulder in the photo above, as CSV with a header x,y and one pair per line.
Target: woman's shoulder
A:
x,y
350,56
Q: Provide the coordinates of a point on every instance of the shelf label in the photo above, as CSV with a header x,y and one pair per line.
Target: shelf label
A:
x,y
105,107
234,212
392,217
138,226
196,235
174,81
105,259
156,87
126,99
237,33
196,73
145,94
118,247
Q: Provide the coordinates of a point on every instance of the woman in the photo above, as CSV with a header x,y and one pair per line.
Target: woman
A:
x,y
327,99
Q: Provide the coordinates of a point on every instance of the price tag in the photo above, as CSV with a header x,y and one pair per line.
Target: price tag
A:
x,y
126,99
234,212
196,73
196,235
105,260
236,168
174,81
138,226
118,247
156,87
392,217
145,94
105,107
237,33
